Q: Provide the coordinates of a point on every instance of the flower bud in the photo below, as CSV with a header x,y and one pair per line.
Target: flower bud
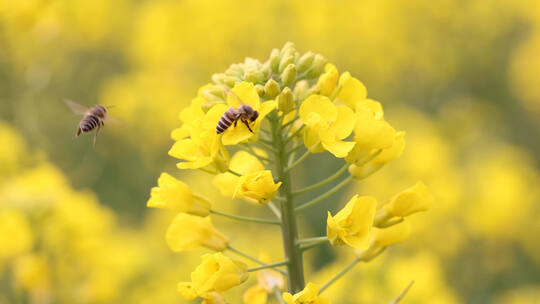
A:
x,y
289,75
287,49
254,76
304,63
317,67
352,224
284,62
257,187
274,60
414,199
230,80
260,89
218,78
285,100
173,194
271,88
189,232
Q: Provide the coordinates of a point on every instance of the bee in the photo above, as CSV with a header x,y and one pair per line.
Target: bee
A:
x,y
245,113
93,118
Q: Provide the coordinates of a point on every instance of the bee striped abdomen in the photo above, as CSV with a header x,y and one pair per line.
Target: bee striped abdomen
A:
x,y
226,120
89,123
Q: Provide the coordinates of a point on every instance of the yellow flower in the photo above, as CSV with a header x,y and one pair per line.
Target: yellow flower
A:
x,y
328,80
394,151
352,90
267,281
16,234
217,273
371,131
352,224
310,295
191,114
255,295
202,148
268,278
382,238
188,232
214,298
242,93
414,199
327,125
243,163
31,271
256,187
173,194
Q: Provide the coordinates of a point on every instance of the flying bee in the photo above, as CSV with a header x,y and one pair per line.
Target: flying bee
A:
x,y
245,113
93,118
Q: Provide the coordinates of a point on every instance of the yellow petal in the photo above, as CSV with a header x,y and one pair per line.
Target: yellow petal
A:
x,y
345,122
320,105
244,93
352,90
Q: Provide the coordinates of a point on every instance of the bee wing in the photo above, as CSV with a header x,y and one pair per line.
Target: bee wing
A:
x,y
75,107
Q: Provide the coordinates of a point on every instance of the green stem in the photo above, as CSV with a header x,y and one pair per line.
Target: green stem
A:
x,y
323,182
289,229
294,134
234,172
274,209
278,296
268,266
322,197
251,258
246,219
311,240
312,245
298,161
402,294
339,275
254,153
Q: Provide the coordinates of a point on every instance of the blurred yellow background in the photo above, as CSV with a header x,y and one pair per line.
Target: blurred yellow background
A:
x,y
461,77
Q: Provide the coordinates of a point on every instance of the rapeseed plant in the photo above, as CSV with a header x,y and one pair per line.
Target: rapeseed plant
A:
x,y
304,107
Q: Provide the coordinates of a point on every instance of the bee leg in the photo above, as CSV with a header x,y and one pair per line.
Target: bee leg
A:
x,y
247,125
235,123
96,134
78,132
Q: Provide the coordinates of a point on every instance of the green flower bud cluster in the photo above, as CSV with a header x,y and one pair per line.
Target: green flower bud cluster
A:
x,y
287,75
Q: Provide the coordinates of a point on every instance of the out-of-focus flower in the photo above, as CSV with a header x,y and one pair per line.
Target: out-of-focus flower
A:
x,y
257,187
189,231
242,93
216,273
16,233
308,295
382,238
255,295
268,280
327,125
352,224
414,199
31,272
173,194
243,163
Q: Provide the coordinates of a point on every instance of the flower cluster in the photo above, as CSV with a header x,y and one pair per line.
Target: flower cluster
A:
x,y
296,102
